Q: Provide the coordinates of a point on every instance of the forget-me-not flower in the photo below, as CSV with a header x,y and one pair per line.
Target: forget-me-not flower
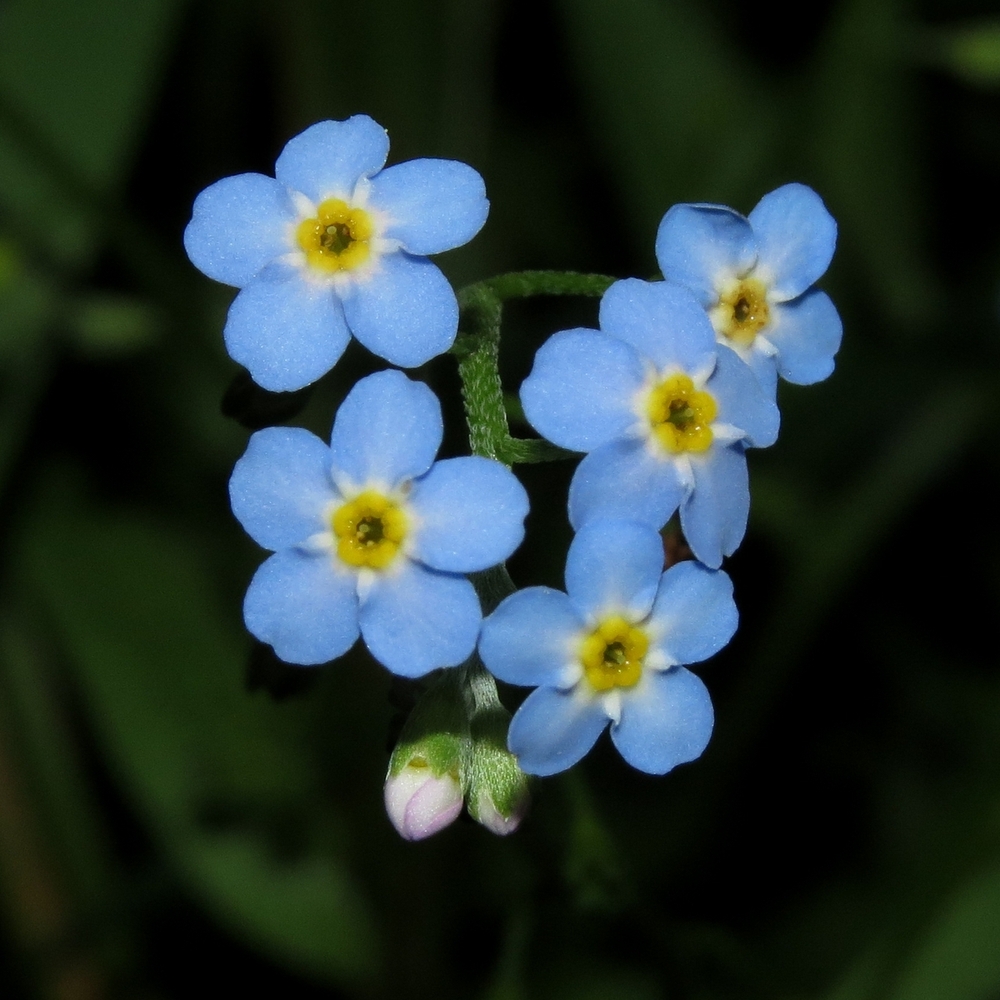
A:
x,y
754,276
664,411
334,245
370,534
611,649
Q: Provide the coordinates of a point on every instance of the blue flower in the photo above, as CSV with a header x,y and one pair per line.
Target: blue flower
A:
x,y
612,649
755,275
370,534
334,245
663,410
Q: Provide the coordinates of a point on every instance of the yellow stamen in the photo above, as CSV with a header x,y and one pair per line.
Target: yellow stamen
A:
x,y
612,654
680,415
742,311
370,530
338,238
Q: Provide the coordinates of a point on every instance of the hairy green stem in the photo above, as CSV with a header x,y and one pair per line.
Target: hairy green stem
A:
x,y
478,351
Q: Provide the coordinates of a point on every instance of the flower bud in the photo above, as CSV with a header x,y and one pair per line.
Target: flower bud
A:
x,y
424,789
420,802
498,788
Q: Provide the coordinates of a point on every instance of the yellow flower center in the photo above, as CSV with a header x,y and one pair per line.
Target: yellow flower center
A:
x,y
612,654
369,530
680,415
742,311
338,238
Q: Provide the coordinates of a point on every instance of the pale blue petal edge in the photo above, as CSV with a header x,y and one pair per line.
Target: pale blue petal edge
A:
x,y
430,205
764,365
387,431
529,639
581,387
742,401
553,729
286,331
807,332
797,237
694,613
414,620
664,322
714,516
299,604
404,311
621,479
614,566
469,513
666,720
703,246
281,486
328,158
238,226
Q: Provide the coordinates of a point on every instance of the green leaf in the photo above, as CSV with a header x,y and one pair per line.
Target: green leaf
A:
x,y
161,673
958,958
971,51
76,83
28,303
105,324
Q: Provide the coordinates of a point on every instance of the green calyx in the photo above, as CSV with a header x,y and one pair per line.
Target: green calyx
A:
x,y
436,734
494,777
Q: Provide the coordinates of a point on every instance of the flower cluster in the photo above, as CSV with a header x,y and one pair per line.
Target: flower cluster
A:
x,y
372,537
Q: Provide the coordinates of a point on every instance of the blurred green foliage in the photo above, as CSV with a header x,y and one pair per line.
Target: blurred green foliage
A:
x,y
180,815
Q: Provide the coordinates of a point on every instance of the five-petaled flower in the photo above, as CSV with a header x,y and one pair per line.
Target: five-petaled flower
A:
x,y
334,245
664,411
612,649
370,534
754,276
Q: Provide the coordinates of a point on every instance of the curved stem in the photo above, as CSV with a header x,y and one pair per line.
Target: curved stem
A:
x,y
478,351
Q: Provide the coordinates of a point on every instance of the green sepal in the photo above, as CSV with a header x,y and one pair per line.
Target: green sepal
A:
x,y
493,769
437,731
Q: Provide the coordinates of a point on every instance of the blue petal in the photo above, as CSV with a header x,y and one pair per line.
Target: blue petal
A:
x,y
622,479
329,158
714,517
580,390
807,333
663,322
405,312
614,566
742,401
281,486
431,205
553,729
694,613
666,720
797,237
765,366
286,331
531,637
470,514
415,620
388,430
238,226
703,246
303,607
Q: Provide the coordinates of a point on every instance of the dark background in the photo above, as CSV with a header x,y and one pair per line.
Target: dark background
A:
x,y
176,823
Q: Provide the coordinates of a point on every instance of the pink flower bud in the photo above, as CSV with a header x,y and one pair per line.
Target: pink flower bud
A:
x,y
419,802
489,816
